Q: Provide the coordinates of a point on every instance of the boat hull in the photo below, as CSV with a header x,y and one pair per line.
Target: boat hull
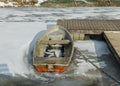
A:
x,y
56,38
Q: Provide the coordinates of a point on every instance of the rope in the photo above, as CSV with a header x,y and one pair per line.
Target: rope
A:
x,y
111,77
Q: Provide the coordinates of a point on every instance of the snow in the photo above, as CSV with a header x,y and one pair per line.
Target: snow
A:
x,y
8,4
99,48
2,4
15,44
85,1
12,4
90,48
39,1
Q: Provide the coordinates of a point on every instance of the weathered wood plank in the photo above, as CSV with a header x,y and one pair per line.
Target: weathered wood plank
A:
x,y
90,26
113,40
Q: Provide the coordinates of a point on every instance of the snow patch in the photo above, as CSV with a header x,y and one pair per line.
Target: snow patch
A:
x,y
8,4
85,1
92,50
15,45
98,47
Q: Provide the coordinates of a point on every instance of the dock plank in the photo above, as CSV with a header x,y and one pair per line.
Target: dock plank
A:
x,y
113,40
89,26
109,28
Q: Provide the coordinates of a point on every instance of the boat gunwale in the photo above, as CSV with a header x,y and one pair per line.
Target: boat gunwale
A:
x,y
56,27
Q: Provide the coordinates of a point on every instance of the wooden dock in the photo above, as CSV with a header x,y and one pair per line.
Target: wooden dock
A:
x,y
110,29
113,41
89,26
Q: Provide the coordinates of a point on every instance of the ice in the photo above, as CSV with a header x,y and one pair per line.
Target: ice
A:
x,y
18,39
21,27
94,51
97,47
52,14
16,42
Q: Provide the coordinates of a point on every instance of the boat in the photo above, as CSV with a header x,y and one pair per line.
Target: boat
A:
x,y
53,51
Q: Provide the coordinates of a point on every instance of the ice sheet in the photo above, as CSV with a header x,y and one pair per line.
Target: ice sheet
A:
x,y
17,39
16,43
52,14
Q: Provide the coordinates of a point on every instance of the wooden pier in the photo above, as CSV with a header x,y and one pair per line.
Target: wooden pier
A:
x,y
113,41
109,28
89,26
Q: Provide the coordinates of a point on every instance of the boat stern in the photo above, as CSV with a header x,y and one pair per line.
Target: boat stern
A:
x,y
50,68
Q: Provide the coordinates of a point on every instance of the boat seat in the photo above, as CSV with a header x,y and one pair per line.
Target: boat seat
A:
x,y
53,60
55,42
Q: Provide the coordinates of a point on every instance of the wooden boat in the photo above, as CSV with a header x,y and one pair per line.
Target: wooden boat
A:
x,y
53,50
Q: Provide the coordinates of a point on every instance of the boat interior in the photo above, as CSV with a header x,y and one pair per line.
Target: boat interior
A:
x,y
54,47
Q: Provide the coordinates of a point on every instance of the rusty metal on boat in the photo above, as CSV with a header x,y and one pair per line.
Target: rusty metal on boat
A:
x,y
53,50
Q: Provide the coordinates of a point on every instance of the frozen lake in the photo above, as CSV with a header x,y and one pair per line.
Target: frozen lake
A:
x,y
20,28
52,14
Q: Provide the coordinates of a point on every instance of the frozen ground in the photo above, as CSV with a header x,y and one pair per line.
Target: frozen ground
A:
x,y
21,27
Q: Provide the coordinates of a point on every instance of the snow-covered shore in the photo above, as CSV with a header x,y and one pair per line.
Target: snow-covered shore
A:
x,y
16,4
9,4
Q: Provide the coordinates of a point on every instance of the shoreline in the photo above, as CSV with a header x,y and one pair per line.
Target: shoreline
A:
x,y
52,6
57,6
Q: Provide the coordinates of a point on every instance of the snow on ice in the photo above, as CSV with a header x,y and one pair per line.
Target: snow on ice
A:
x,y
20,28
